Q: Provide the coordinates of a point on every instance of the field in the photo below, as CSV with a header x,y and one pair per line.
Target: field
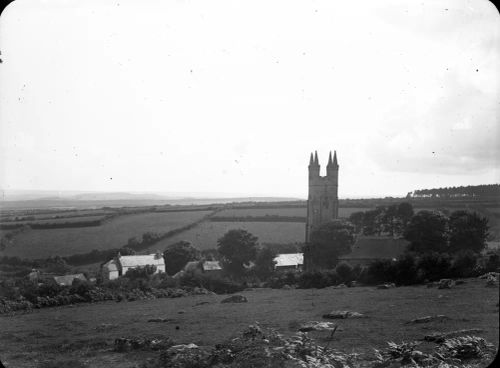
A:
x,y
87,332
286,211
205,235
33,244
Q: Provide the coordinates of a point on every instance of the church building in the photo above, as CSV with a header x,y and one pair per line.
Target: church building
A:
x,y
323,200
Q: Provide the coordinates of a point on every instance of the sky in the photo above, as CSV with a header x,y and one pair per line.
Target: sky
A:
x,y
231,96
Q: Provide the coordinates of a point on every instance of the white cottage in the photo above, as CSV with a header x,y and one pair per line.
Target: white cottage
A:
x,y
119,265
291,261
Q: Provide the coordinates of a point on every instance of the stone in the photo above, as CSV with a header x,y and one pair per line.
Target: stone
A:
x,y
235,299
491,281
386,286
426,319
446,284
488,274
286,287
317,326
340,314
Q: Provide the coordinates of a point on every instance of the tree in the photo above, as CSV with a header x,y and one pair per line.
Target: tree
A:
x,y
427,232
357,218
468,231
237,248
141,272
328,242
265,263
178,254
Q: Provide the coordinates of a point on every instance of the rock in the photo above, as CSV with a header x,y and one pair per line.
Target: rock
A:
x,y
441,336
181,311
446,284
235,299
339,314
491,281
386,286
426,319
124,344
160,320
317,326
286,287
488,274
201,303
189,355
341,286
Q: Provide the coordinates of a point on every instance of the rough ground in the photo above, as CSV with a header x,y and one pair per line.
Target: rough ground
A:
x,y
86,332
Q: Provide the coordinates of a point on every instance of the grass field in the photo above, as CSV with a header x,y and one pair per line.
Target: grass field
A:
x,y
286,211
43,243
87,332
205,235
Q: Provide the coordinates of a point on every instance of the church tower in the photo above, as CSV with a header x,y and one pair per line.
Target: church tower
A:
x,y
322,201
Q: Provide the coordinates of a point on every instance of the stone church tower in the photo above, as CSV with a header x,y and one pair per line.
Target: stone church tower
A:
x,y
323,201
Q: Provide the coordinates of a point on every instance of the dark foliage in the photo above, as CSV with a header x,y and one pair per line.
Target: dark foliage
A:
x,y
468,231
427,232
328,242
237,248
178,254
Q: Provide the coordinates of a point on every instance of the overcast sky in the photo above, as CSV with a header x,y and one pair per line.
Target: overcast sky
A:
x,y
227,96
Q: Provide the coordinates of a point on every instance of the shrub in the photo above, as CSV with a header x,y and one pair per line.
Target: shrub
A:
x,y
344,272
464,264
434,266
217,284
378,271
317,279
405,271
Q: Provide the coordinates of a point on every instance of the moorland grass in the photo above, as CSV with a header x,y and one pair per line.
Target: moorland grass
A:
x,y
86,332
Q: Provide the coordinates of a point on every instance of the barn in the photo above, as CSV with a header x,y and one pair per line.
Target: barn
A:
x,y
119,265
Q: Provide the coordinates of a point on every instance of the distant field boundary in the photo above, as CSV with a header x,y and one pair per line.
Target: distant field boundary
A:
x,y
266,218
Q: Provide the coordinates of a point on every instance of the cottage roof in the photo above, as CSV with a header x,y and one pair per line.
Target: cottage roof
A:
x,y
141,260
376,247
291,259
211,266
68,279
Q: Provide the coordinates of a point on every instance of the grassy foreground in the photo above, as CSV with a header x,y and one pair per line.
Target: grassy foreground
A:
x,y
86,332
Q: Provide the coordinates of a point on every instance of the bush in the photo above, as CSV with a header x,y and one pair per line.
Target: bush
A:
x,y
317,279
405,271
283,278
378,271
344,272
434,266
464,264
217,284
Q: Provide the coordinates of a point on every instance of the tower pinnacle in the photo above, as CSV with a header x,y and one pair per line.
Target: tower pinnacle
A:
x,y
316,161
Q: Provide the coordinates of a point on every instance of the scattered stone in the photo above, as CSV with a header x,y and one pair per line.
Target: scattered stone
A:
x,y
426,319
317,326
491,281
446,284
201,303
439,337
341,286
339,314
386,286
160,320
183,356
235,299
488,274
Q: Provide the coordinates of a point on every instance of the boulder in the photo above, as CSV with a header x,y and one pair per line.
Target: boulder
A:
x,y
488,274
235,299
386,286
426,319
446,284
491,280
317,326
340,314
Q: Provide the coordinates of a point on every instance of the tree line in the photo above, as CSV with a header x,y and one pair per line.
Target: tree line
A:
x,y
470,191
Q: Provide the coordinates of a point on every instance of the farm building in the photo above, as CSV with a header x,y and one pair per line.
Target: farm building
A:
x,y
292,261
367,249
119,265
210,267
67,280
